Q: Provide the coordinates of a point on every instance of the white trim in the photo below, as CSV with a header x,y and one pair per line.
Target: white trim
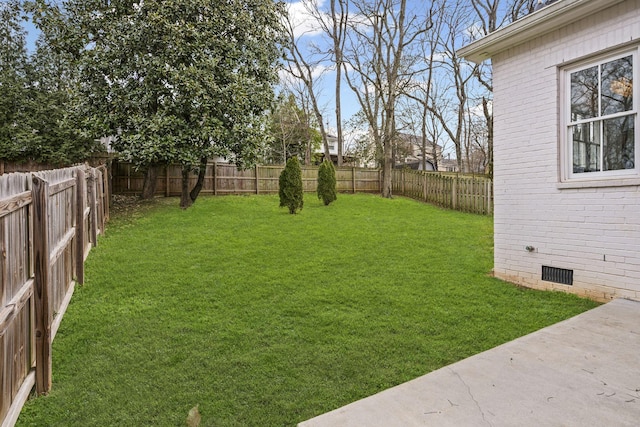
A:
x,y
569,179
536,24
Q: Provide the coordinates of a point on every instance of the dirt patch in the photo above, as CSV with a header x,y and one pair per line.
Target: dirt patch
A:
x,y
123,206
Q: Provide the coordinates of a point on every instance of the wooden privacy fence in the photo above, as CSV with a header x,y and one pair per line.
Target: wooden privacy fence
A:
x,y
224,178
48,223
460,192
472,194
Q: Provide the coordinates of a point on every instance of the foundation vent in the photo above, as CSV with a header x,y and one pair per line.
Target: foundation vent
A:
x,y
557,275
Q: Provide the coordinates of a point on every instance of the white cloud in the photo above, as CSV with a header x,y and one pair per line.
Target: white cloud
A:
x,y
478,110
304,24
317,72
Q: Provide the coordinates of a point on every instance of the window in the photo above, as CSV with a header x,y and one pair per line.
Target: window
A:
x,y
601,118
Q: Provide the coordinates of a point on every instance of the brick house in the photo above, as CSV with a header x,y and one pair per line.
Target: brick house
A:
x,y
567,147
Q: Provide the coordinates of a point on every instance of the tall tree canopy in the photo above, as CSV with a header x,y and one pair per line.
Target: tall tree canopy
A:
x,y
13,79
174,80
34,90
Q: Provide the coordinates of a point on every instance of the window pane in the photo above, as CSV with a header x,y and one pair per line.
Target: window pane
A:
x,y
584,94
618,149
617,86
586,147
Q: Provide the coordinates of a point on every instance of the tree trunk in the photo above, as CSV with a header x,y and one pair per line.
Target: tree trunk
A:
x,y
489,117
149,184
387,170
201,173
338,36
185,199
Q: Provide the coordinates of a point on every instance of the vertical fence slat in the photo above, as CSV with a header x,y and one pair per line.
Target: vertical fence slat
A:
x,y
106,196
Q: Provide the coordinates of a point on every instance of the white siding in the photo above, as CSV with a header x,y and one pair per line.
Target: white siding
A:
x,y
593,231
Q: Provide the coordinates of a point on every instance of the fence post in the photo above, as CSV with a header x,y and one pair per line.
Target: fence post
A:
x,y
257,180
454,192
81,202
167,180
40,194
488,188
353,177
215,178
106,197
424,186
99,194
93,212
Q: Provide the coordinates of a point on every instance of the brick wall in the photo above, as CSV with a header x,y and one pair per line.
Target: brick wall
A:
x,y
592,230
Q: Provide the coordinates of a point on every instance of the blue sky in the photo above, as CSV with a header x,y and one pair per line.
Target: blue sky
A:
x,y
32,35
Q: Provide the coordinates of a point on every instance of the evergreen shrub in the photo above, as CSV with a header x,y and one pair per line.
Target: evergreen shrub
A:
x,y
290,190
327,182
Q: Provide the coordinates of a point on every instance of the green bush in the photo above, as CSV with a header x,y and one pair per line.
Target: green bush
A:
x,y
291,186
327,182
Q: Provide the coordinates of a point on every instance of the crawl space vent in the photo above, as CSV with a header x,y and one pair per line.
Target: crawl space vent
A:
x,y
557,275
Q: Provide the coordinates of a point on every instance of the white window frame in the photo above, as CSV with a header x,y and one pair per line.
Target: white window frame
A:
x,y
566,140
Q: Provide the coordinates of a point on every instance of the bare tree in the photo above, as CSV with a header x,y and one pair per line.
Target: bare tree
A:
x,y
488,14
334,25
378,55
420,92
301,68
449,94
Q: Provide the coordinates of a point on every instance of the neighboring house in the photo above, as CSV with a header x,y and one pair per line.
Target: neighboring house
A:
x,y
409,153
448,165
332,141
567,147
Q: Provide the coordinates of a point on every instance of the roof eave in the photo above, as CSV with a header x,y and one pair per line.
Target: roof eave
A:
x,y
534,25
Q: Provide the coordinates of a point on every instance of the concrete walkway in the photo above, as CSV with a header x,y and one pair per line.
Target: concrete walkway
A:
x,y
584,371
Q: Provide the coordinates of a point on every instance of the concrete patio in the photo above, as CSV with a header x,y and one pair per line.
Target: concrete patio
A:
x,y
584,371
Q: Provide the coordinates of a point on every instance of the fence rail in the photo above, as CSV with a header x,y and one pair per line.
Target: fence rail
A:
x,y
461,192
48,222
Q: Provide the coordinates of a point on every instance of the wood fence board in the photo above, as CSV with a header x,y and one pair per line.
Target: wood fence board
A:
x,y
20,397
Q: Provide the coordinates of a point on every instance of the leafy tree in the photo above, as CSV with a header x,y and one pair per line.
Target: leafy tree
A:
x,y
327,182
291,132
13,80
35,89
290,190
175,80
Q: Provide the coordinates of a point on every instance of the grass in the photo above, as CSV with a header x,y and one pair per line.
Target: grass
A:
x,y
266,319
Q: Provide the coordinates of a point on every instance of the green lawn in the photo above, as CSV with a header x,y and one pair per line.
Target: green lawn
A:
x,y
267,319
